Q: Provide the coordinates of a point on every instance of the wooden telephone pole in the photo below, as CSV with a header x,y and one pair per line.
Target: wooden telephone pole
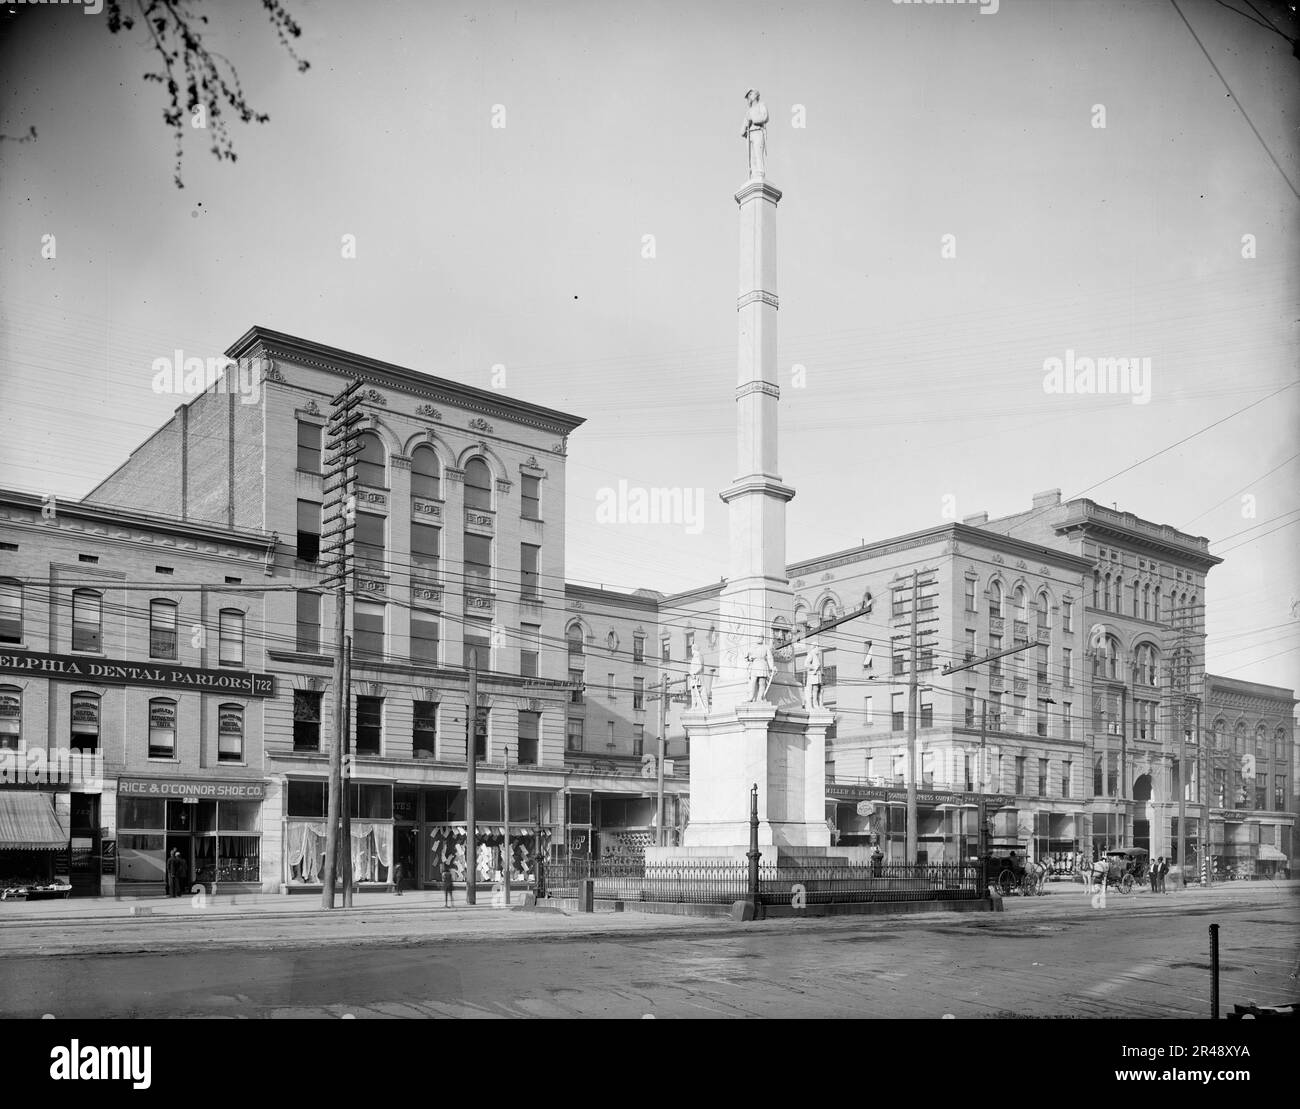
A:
x,y
339,523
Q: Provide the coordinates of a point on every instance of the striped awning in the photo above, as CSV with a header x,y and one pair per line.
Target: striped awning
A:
x,y
1269,853
28,822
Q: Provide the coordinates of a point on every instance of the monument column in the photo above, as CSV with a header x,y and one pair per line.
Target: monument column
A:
x,y
756,728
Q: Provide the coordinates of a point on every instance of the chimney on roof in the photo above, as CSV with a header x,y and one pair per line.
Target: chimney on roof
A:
x,y
1047,498
976,521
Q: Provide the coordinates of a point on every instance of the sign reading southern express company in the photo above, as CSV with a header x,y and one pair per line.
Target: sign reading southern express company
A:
x,y
121,672
923,797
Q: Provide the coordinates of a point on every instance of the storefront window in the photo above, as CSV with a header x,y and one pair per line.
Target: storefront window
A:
x,y
306,799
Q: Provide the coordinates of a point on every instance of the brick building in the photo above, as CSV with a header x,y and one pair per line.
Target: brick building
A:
x,y
133,692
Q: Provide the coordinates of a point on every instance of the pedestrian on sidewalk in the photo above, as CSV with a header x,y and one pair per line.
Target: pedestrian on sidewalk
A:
x,y
176,874
448,902
397,877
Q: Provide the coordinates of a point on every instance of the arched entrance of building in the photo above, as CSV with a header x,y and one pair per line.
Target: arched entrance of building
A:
x,y
1142,790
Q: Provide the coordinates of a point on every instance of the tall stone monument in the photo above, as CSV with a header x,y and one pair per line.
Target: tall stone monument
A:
x,y
757,729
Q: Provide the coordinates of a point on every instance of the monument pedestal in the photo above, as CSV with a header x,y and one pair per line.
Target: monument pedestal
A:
x,y
784,752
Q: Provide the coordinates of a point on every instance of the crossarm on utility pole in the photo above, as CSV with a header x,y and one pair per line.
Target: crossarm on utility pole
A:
x,y
990,658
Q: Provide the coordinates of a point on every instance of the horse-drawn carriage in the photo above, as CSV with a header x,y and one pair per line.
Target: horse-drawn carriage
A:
x,y
1122,868
1007,869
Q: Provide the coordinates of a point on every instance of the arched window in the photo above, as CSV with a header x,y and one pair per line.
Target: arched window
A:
x,y
1221,734
1119,593
995,600
1240,736
1137,592
11,718
230,637
478,485
425,471
1105,600
11,612
1193,615
829,611
85,722
162,629
372,461
162,728
1044,606
1096,588
1279,746
1261,742
1112,658
87,620
1146,601
230,733
1022,611
1156,606
576,649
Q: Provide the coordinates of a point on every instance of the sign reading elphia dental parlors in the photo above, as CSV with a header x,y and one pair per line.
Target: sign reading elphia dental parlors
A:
x,y
121,672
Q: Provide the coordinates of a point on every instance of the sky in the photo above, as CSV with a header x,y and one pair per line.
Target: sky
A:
x,y
955,215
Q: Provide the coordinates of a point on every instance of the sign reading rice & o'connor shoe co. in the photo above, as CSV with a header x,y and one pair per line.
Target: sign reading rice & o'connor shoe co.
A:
x,y
122,672
177,787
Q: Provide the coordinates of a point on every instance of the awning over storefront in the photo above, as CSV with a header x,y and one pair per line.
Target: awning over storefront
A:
x,y
28,823
1269,853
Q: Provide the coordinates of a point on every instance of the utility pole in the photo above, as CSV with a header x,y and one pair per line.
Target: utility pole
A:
x,y
336,538
662,746
911,735
471,757
1182,790
345,801
505,811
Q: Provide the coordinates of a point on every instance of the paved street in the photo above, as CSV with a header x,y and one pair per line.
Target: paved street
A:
x,y
1055,956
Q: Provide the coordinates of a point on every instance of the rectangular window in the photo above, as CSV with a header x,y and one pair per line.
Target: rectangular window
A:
x,y
970,707
899,768
1019,709
927,708
478,643
424,637
529,728
11,612
11,719
1112,774
970,644
1067,769
478,561
638,740
309,528
426,542
576,678
1042,777
665,650
688,642
1067,616
530,492
970,595
866,711
368,629
638,649
424,729
369,542
1020,774
900,662
87,629
162,729
610,741
638,693
369,724
609,687
573,740
309,436
995,645
995,711
927,769
162,629
968,769
1279,792
1067,719
1067,668
306,720
482,725
1041,727
530,576
1041,669
230,636
529,649
230,734
307,637
897,710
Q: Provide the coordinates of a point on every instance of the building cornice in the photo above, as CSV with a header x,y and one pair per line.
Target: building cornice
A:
x,y
426,387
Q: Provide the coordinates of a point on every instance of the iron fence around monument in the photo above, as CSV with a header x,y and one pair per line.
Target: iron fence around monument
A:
x,y
722,882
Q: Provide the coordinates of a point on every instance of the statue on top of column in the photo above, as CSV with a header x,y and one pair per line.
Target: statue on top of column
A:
x,y
756,132
695,681
760,668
